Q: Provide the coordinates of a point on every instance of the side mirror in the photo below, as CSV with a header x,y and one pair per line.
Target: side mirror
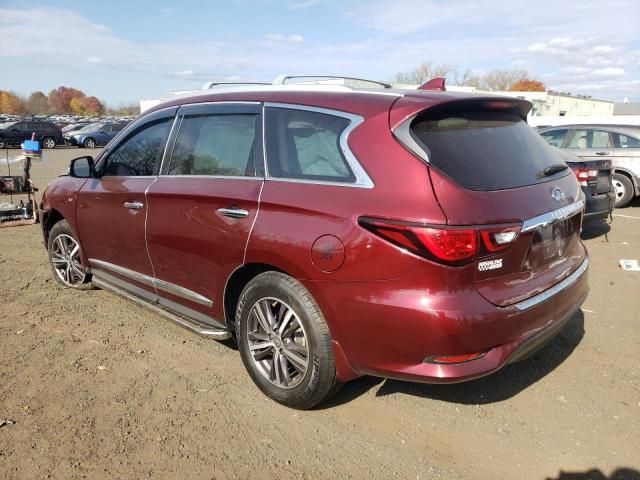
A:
x,y
82,167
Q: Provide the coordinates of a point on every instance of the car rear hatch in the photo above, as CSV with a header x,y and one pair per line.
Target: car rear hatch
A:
x,y
492,172
594,176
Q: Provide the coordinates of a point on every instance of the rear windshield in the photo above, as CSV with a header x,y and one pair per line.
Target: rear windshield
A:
x,y
485,150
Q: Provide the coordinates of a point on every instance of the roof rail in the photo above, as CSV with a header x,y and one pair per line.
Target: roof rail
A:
x,y
210,85
324,79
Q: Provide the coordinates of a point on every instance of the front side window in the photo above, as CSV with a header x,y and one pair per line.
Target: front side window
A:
x,y
139,154
216,145
555,138
306,145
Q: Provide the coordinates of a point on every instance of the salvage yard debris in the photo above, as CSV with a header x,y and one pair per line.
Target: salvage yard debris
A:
x,y
4,422
629,265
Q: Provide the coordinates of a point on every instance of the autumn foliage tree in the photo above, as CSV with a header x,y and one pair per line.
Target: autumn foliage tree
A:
x,y
59,99
11,104
37,104
528,85
90,106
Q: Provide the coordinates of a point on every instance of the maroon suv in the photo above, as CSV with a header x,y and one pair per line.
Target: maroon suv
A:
x,y
424,236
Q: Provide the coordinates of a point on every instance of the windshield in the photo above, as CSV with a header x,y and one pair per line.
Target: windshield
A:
x,y
7,124
92,127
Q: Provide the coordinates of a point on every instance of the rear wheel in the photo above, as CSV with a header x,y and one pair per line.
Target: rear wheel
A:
x,y
48,142
89,143
3,144
284,341
65,257
623,188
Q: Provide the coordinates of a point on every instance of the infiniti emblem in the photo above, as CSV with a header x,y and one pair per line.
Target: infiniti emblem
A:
x,y
557,194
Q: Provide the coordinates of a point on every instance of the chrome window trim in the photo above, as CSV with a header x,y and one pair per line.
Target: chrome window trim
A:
x,y
362,178
547,294
153,282
550,217
226,177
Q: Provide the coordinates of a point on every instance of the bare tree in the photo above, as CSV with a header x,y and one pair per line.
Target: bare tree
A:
x,y
502,79
424,72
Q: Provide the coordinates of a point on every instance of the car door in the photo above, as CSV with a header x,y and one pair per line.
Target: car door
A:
x,y
626,153
20,132
589,143
203,205
112,208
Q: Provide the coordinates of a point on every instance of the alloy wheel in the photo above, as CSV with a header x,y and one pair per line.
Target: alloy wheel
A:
x,y
90,143
65,256
277,342
49,143
619,189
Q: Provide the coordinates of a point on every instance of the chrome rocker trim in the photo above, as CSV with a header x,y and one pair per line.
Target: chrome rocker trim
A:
x,y
153,282
200,329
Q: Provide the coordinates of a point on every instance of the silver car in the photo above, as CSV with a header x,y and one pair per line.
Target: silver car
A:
x,y
619,143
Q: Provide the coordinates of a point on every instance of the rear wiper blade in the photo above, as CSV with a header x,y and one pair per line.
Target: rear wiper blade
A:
x,y
558,167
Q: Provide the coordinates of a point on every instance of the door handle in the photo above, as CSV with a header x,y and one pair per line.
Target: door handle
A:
x,y
602,153
234,212
133,205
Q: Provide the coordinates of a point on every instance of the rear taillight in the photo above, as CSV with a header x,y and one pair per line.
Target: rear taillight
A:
x,y
450,245
585,175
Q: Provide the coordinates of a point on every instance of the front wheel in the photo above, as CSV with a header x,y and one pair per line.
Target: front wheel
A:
x,y
48,142
623,188
65,257
3,144
284,341
89,143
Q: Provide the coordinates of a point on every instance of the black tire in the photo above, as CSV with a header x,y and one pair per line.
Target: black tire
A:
x,y
308,331
48,142
623,188
89,143
60,237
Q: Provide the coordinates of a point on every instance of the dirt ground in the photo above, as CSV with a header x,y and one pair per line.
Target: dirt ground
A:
x,y
93,386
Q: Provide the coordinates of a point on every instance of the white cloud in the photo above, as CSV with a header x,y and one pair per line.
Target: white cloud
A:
x,y
94,59
278,37
609,72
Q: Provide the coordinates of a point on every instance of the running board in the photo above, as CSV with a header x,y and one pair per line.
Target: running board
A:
x,y
194,326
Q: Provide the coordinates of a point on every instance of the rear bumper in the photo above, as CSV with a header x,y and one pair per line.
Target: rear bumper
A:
x,y
598,206
390,329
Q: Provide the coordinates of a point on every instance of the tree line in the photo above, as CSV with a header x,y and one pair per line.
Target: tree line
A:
x,y
497,80
59,101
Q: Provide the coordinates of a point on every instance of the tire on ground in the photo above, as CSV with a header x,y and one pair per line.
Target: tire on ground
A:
x,y
62,228
320,380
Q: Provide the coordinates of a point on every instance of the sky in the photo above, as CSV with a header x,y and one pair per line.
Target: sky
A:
x,y
124,51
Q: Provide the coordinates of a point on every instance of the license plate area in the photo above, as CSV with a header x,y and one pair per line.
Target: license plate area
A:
x,y
551,242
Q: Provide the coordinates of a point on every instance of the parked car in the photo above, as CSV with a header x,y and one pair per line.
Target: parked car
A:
x,y
425,236
596,181
14,133
619,143
94,135
73,127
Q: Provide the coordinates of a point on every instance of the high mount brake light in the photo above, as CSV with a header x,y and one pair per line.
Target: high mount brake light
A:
x,y
449,245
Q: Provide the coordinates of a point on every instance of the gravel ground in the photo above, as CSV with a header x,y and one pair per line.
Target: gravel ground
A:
x,y
93,386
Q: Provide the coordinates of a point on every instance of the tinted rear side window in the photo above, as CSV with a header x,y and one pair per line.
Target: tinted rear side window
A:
x,y
306,145
485,150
